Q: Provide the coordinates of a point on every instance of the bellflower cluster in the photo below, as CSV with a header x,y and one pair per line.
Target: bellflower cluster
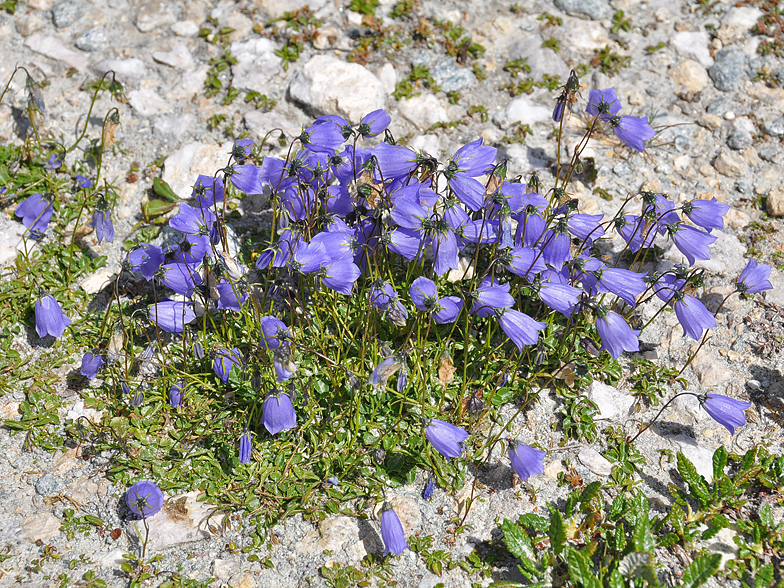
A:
x,y
632,130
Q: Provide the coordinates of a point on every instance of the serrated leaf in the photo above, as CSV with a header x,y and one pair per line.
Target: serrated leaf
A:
x,y
579,571
698,486
642,535
766,516
718,523
536,522
590,492
517,541
700,570
557,533
634,564
764,576
620,538
163,190
719,462
617,507
616,580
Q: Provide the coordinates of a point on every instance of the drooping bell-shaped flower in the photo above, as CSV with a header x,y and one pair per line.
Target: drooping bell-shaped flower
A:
x,y
692,315
725,411
754,278
91,363
446,438
374,123
171,315
617,336
246,446
519,327
633,131
49,317
225,360
278,413
392,531
176,393
525,460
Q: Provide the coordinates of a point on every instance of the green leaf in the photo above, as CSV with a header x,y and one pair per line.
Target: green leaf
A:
x,y
764,576
578,567
534,521
155,208
718,523
620,538
590,492
700,570
697,484
634,564
162,189
616,580
557,533
93,520
719,462
517,541
642,535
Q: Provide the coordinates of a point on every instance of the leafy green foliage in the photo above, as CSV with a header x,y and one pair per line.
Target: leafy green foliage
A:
x,y
650,381
609,62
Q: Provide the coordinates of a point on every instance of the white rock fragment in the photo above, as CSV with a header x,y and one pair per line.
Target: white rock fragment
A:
x,y
174,128
694,46
737,22
98,281
583,36
183,520
522,110
185,28
155,13
113,559
41,526
423,111
182,168
701,457
54,49
11,241
388,77
147,102
328,85
276,8
190,83
179,57
690,76
260,123
595,461
256,64
613,404
123,68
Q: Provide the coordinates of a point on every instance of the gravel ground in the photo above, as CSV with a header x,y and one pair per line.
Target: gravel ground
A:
x,y
722,139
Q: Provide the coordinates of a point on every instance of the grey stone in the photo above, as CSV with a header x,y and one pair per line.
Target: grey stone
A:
x,y
124,68
595,461
48,485
620,169
155,13
452,77
173,128
754,385
522,110
66,13
728,69
770,153
53,48
738,140
718,106
743,187
92,40
774,128
541,60
593,9
179,57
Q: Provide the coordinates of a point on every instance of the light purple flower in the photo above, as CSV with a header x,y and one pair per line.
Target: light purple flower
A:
x,y
754,278
278,413
245,448
144,499
617,336
49,317
725,411
526,461
446,438
633,131
392,531
692,315
91,363
171,315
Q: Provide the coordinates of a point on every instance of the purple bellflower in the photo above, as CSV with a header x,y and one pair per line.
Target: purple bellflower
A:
x,y
35,212
470,161
144,499
84,182
430,486
180,277
55,161
278,413
754,278
446,438
102,223
520,328
383,371
272,331
245,448
603,103
526,461
176,393
617,336
385,299
707,214
425,297
692,315
207,191
91,363
725,411
49,317
667,285
632,130
171,315
489,297
224,361
146,259
392,531
693,243
374,123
